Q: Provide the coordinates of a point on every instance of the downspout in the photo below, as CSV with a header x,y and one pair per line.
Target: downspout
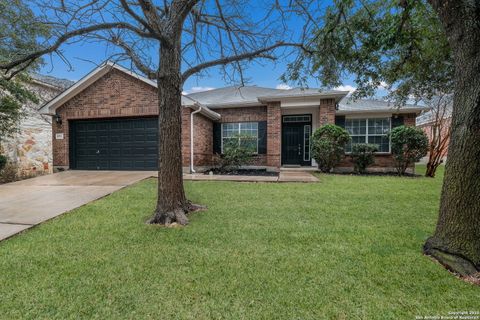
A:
x,y
191,138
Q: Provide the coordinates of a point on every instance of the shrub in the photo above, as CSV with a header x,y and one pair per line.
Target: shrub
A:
x,y
363,156
236,152
3,161
9,173
328,146
409,145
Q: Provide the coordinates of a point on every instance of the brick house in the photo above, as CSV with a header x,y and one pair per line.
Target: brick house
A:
x,y
107,121
436,124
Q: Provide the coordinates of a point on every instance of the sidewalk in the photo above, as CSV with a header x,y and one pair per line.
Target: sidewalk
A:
x,y
285,176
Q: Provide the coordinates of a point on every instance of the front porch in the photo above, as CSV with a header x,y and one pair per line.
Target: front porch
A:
x,y
299,120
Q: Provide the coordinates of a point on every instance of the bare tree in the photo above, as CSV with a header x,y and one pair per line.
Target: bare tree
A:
x,y
169,41
438,128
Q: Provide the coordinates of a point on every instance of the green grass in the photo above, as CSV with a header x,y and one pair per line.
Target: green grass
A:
x,y
346,248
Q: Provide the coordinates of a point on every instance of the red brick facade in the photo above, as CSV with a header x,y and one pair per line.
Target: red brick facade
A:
x,y
274,138
202,139
327,111
246,114
383,162
118,94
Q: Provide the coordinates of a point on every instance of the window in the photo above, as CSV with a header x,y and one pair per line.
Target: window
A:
x,y
246,133
306,145
374,131
295,119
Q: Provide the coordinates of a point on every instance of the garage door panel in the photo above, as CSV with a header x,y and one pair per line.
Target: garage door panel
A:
x,y
116,144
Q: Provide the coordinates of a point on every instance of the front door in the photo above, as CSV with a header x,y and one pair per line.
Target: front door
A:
x,y
296,132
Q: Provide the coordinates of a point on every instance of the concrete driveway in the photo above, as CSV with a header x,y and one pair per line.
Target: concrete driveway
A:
x,y
26,203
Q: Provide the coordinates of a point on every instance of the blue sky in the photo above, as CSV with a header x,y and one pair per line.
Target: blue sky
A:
x,y
83,57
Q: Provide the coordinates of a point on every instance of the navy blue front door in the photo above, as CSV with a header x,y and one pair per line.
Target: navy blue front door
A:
x,y
296,131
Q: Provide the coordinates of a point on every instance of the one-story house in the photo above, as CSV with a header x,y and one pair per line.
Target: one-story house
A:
x,y
108,121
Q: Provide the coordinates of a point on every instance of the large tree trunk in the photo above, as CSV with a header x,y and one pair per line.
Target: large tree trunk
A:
x,y
456,242
172,204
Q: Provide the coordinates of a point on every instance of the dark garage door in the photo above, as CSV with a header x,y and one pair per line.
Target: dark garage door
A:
x,y
114,144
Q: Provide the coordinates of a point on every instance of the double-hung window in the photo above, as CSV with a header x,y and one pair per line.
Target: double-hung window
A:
x,y
244,134
372,130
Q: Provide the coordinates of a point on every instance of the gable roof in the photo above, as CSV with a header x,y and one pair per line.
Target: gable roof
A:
x,y
100,71
247,96
57,83
232,96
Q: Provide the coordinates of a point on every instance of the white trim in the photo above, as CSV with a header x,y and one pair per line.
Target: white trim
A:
x,y
310,95
309,142
239,132
50,107
390,111
366,135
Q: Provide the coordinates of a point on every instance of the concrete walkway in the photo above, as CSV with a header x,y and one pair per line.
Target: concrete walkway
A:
x,y
26,203
284,176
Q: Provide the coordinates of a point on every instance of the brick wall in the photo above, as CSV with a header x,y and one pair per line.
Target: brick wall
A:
x,y
119,95
202,139
327,111
274,126
444,126
383,162
253,114
246,114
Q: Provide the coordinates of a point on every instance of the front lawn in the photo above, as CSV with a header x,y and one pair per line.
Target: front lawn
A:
x,y
345,248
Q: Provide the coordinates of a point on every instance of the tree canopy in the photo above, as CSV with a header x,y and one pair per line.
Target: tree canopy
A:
x,y
18,35
398,45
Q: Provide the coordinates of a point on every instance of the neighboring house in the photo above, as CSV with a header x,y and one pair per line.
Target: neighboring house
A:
x,y
30,148
436,123
107,121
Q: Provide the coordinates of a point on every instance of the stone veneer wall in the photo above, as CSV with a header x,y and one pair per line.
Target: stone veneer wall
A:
x,y
31,147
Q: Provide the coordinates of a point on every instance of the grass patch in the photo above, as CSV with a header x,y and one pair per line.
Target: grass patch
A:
x,y
347,247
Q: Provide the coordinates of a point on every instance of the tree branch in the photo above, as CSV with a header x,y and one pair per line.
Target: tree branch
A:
x,y
65,37
260,53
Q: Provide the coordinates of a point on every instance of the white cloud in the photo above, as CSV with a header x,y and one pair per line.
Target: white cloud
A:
x,y
346,88
197,89
283,86
383,85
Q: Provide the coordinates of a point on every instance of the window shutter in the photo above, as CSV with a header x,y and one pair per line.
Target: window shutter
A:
x,y
340,121
262,137
217,137
397,121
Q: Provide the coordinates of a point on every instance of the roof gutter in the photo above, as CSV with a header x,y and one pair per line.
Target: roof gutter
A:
x,y
276,98
392,111
192,170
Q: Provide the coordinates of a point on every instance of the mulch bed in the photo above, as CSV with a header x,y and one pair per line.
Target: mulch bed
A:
x,y
243,172
384,174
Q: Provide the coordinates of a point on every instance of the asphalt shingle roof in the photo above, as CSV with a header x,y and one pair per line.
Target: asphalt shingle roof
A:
x,y
348,104
232,95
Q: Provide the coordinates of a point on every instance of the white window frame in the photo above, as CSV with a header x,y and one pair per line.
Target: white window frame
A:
x,y
239,132
309,142
368,135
